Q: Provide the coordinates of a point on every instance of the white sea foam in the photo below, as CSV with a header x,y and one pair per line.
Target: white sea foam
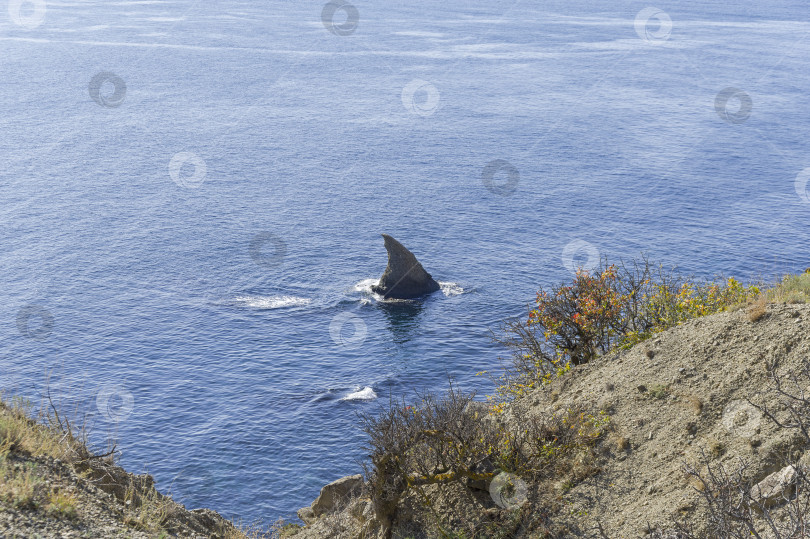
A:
x,y
451,289
270,302
365,394
365,285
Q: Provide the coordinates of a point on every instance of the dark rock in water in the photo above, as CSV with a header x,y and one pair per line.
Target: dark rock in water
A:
x,y
404,278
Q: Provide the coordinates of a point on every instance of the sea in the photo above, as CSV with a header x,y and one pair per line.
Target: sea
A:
x,y
192,197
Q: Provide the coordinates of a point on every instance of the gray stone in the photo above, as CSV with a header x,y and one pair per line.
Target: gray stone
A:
x,y
774,488
307,515
334,495
404,277
484,467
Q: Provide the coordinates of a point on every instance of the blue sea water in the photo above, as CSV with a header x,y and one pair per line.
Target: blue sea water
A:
x,y
187,252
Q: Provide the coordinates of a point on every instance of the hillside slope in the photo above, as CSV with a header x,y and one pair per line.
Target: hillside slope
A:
x,y
676,400
51,486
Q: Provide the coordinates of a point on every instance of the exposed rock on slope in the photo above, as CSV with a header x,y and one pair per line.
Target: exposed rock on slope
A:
x,y
331,497
677,399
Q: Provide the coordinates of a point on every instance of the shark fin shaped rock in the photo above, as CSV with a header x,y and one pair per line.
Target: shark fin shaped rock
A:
x,y
404,277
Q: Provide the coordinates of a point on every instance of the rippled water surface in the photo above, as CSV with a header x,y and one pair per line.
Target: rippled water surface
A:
x,y
192,196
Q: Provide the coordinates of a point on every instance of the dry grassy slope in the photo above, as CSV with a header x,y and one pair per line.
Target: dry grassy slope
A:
x,y
668,398
97,514
98,498
709,366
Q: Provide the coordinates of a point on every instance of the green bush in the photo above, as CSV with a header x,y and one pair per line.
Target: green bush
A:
x,y
616,305
791,289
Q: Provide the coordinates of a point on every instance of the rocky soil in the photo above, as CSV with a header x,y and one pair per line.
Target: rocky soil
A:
x,y
677,399
93,500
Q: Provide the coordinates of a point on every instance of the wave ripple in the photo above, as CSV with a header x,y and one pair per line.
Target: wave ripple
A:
x,y
270,302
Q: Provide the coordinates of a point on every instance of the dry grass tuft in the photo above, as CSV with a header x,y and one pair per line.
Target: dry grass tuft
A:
x,y
18,432
756,311
62,505
622,443
147,511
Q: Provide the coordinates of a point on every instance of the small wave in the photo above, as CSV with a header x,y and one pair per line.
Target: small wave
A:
x,y
324,396
451,289
270,302
365,394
